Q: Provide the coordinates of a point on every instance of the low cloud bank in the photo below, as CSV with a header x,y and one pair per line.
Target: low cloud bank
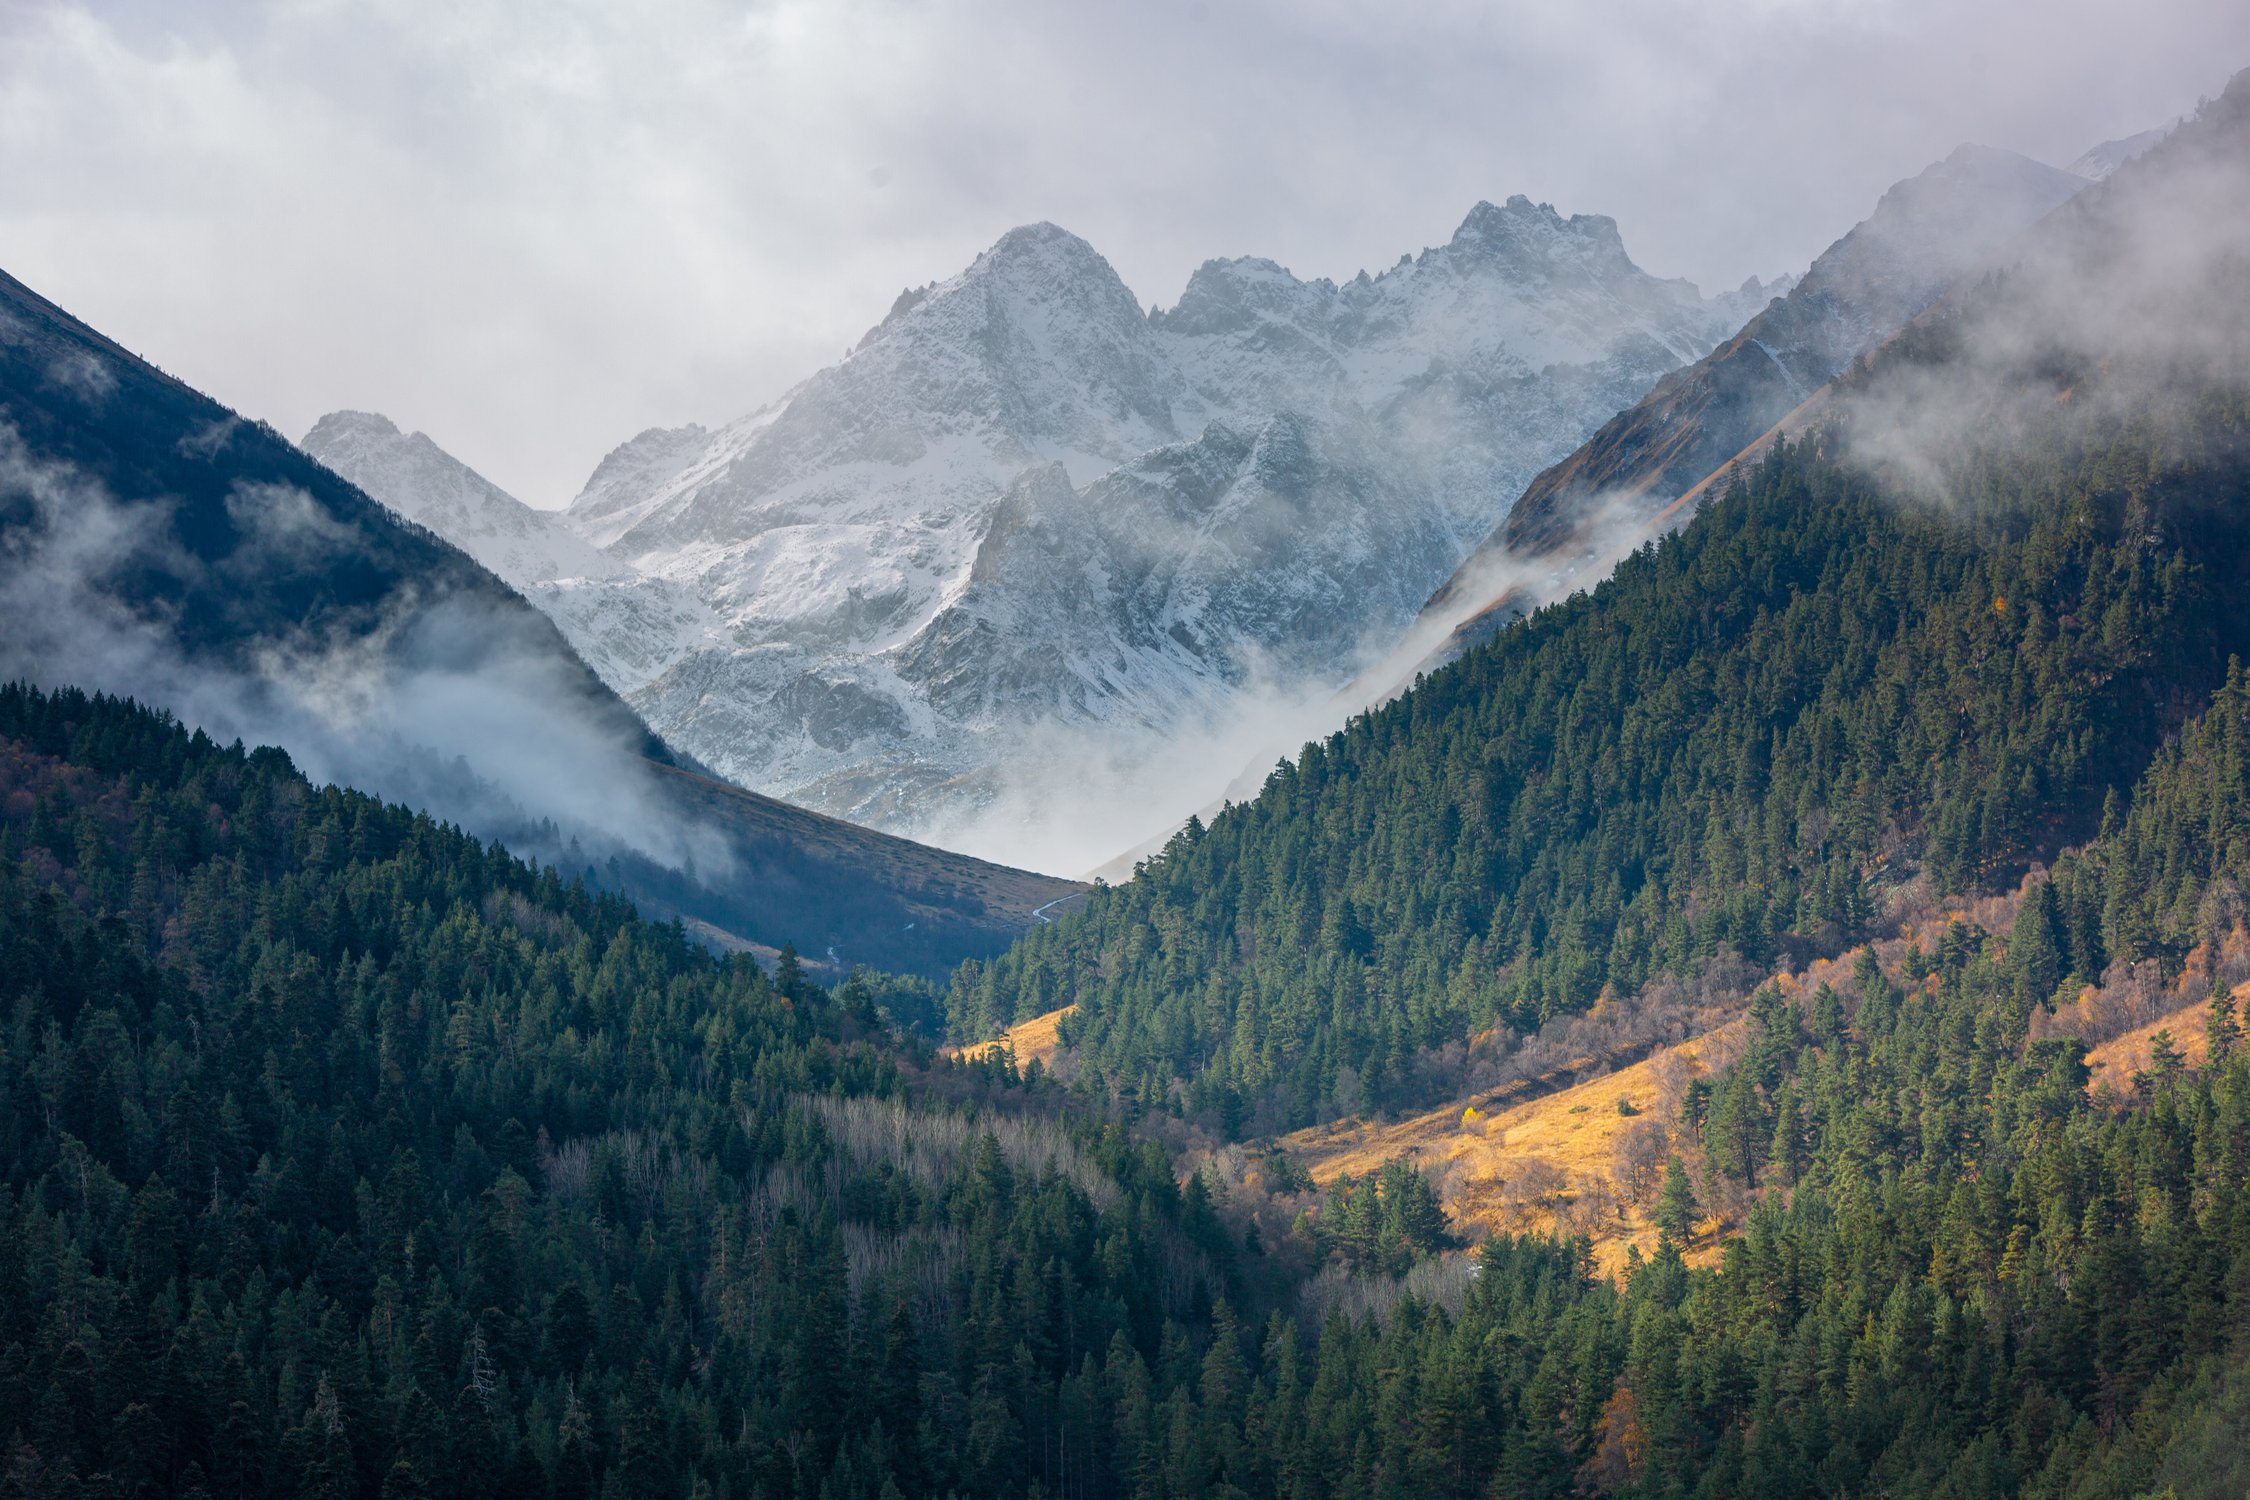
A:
x,y
438,699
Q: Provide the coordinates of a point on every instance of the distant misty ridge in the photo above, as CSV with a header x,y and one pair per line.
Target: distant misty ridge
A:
x,y
1034,572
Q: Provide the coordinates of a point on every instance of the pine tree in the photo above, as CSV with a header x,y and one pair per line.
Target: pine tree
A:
x,y
1676,1208
2222,1028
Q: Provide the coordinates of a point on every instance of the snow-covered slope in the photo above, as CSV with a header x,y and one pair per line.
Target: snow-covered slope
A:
x,y
628,626
634,471
1024,507
1027,532
2098,162
422,482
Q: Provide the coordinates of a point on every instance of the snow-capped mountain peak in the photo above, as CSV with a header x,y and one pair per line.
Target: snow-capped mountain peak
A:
x,y
422,482
1035,353
1036,262
1023,506
631,473
1530,235
1929,230
1226,296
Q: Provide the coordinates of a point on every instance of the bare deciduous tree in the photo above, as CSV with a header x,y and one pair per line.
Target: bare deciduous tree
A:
x,y
1641,1151
1531,1183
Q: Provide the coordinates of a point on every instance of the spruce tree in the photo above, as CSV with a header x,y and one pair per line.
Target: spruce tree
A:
x,y
1676,1208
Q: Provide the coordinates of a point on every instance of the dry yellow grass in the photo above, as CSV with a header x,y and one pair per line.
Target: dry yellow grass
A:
x,y
2115,1061
1569,1138
1040,1037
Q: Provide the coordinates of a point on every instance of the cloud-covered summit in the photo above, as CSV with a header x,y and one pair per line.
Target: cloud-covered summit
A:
x,y
533,228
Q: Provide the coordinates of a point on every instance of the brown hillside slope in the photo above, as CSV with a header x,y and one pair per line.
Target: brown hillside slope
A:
x,y
1543,1164
2115,1062
1557,1153
1039,1038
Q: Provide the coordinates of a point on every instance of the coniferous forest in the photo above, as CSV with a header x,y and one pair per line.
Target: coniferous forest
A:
x,y
344,1154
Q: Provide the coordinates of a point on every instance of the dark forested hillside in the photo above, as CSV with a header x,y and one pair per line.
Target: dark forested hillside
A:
x,y
1978,1278
1738,740
1928,643
345,1156
191,521
154,542
341,1154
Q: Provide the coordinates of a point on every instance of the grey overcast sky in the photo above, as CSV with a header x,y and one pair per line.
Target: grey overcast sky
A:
x,y
533,227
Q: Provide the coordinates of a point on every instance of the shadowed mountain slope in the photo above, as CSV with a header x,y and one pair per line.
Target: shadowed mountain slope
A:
x,y
1925,234
154,543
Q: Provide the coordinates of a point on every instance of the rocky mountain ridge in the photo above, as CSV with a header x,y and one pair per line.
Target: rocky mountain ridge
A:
x,y
1926,234
1025,510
